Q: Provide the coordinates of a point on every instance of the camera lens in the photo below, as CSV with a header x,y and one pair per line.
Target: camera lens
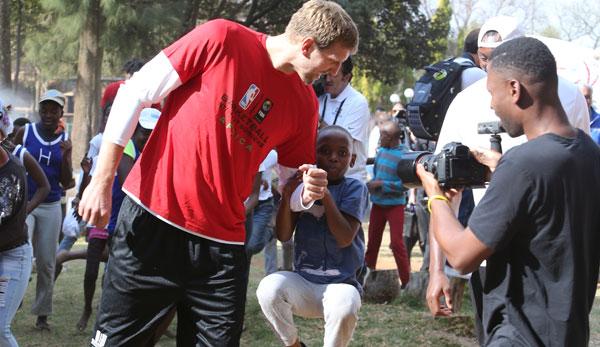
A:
x,y
407,167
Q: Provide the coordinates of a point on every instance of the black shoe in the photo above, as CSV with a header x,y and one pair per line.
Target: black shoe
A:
x,y
42,323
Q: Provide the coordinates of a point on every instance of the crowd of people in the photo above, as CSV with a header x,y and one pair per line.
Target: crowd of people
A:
x,y
201,163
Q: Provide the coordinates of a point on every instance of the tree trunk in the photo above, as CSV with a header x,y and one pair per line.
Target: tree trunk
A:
x,y
87,91
19,45
5,62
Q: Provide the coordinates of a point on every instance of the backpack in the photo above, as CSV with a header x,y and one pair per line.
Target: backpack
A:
x,y
433,93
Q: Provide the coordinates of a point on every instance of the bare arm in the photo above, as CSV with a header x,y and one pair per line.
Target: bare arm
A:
x,y
252,200
66,165
342,226
39,177
462,248
96,200
19,136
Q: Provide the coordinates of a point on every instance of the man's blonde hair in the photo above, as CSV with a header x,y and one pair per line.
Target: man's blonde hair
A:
x,y
326,22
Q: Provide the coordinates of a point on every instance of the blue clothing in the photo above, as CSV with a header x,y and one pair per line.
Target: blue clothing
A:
x,y
595,125
317,256
117,190
261,232
15,268
19,152
392,193
49,156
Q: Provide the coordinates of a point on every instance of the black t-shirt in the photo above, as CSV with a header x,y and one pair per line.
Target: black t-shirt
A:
x,y
540,215
13,204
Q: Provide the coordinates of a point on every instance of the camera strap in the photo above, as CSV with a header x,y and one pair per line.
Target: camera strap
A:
x,y
337,114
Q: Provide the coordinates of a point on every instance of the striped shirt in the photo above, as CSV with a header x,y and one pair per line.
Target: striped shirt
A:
x,y
392,192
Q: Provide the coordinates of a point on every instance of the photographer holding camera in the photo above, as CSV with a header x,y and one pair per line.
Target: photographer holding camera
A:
x,y
537,224
468,109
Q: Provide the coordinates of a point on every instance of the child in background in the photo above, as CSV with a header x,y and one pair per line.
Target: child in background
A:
x,y
389,198
328,250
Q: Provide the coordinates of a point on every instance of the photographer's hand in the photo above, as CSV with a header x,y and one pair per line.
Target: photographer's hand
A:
x,y
430,184
487,157
438,286
432,188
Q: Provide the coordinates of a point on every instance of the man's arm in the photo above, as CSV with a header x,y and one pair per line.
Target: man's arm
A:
x,y
312,188
95,203
252,200
39,177
149,85
66,165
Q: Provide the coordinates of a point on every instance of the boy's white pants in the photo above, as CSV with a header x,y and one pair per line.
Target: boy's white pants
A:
x,y
284,294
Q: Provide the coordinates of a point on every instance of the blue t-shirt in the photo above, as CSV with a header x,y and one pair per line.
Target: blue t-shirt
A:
x,y
317,256
392,192
49,156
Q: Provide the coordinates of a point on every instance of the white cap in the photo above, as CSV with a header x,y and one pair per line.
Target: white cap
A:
x,y
149,117
6,124
507,27
53,95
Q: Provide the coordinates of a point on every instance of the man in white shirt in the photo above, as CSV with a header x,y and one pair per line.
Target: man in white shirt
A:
x,y
344,106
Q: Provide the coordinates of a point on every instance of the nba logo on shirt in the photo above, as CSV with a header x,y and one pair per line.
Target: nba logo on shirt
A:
x,y
250,95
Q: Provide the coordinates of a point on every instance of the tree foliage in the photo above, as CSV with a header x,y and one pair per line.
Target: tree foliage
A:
x,y
440,28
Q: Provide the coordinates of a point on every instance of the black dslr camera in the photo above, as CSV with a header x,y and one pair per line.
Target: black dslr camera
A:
x,y
453,167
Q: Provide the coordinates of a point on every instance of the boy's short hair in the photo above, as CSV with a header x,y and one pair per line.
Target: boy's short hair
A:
x,y
326,22
335,129
392,125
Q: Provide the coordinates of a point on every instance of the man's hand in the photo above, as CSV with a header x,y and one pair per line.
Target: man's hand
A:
x,y
86,165
95,203
428,181
66,147
487,157
432,188
438,286
315,183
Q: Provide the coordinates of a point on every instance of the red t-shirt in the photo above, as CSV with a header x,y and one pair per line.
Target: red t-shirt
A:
x,y
232,108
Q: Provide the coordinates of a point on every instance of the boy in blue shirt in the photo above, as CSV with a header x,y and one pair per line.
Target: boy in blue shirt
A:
x,y
328,250
388,196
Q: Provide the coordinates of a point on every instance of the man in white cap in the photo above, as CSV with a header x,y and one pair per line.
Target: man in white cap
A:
x,y
471,107
51,147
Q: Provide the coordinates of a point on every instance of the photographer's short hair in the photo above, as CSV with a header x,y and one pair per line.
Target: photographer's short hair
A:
x,y
326,22
526,56
471,44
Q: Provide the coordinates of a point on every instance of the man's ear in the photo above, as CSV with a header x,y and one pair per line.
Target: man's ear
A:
x,y
348,77
308,45
515,90
352,160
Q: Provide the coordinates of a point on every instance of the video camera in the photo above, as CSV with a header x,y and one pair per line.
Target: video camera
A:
x,y
493,129
453,167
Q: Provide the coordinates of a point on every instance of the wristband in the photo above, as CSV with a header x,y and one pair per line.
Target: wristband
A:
x,y
436,197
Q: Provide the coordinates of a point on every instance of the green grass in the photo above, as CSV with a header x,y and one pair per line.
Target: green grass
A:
x,y
403,322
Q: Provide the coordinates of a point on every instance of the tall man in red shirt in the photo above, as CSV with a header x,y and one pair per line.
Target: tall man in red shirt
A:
x,y
233,95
